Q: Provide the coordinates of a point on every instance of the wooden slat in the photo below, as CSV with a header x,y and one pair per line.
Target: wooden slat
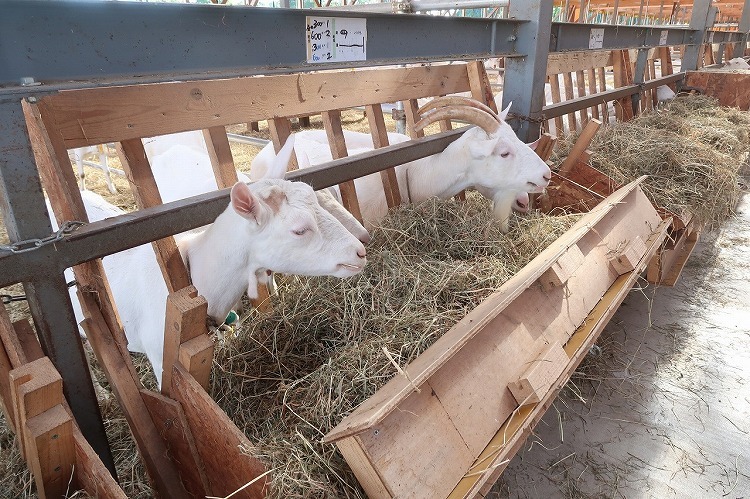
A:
x,y
220,154
583,141
146,194
113,114
603,88
540,376
361,463
52,451
281,129
170,420
410,110
568,85
623,76
59,182
35,387
581,85
591,75
162,471
335,134
91,474
554,83
185,320
481,89
380,139
218,441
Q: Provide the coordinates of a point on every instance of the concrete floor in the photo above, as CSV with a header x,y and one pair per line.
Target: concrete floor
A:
x,y
664,410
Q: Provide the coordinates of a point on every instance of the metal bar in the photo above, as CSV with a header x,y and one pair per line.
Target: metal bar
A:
x,y
424,5
639,76
576,37
525,76
26,217
742,29
131,39
99,239
698,25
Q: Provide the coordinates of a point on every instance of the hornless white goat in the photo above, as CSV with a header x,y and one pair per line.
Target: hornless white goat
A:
x,y
272,224
100,150
489,158
182,168
736,63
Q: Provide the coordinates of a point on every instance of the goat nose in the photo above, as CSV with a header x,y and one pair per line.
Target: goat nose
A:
x,y
547,176
362,253
365,239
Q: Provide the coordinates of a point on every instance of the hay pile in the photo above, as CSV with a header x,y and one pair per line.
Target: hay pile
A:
x,y
693,149
291,376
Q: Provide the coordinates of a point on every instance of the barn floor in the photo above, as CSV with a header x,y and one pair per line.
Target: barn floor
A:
x,y
664,410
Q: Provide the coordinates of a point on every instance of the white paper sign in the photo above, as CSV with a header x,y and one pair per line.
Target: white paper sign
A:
x,y
336,39
596,38
663,37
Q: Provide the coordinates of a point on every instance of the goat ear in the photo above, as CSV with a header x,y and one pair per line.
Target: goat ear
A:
x,y
280,163
504,112
245,203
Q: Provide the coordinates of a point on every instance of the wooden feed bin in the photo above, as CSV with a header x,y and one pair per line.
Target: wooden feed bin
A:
x,y
730,87
577,186
449,425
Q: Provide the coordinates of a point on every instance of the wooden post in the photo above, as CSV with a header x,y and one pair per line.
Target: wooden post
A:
x,y
623,76
44,427
220,154
281,129
587,135
186,337
380,139
332,125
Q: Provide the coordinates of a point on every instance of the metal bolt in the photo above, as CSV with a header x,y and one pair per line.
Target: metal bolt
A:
x,y
31,100
28,81
376,433
512,38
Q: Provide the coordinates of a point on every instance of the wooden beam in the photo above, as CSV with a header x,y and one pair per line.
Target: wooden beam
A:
x,y
220,154
380,139
335,134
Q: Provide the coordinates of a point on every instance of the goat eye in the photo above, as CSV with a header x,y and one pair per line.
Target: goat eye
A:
x,y
504,154
300,232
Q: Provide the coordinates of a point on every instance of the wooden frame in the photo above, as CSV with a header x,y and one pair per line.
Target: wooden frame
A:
x,y
177,432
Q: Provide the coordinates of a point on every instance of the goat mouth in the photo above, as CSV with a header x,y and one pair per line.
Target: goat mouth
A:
x,y
353,268
535,187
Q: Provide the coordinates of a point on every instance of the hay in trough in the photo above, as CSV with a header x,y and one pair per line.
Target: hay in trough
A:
x,y
692,149
289,377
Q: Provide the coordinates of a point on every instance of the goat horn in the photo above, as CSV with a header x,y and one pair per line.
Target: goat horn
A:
x,y
470,114
456,100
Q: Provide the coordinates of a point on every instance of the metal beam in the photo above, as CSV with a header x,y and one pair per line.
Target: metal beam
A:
x,y
525,76
25,217
743,29
83,40
698,25
574,36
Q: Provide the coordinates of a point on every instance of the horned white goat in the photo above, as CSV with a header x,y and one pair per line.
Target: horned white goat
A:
x,y
489,158
272,224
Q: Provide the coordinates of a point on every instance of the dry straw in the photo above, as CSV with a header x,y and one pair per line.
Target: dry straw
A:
x,y
291,376
692,149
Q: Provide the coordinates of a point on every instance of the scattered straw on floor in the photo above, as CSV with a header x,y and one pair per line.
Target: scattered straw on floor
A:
x,y
693,150
291,376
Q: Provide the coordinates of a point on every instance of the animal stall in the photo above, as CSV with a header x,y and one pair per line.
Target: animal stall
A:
x,y
576,284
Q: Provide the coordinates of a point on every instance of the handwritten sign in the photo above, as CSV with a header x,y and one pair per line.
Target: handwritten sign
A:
x,y
596,38
336,39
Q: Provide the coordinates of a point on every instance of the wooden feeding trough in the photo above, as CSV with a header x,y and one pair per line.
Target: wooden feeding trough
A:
x,y
730,87
578,186
448,426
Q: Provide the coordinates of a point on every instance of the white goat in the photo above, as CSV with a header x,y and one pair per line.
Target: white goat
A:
x,y
182,168
489,158
272,224
736,63
100,150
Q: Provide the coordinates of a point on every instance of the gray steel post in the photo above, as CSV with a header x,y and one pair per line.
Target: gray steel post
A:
x,y
25,217
525,76
639,76
698,24
743,28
